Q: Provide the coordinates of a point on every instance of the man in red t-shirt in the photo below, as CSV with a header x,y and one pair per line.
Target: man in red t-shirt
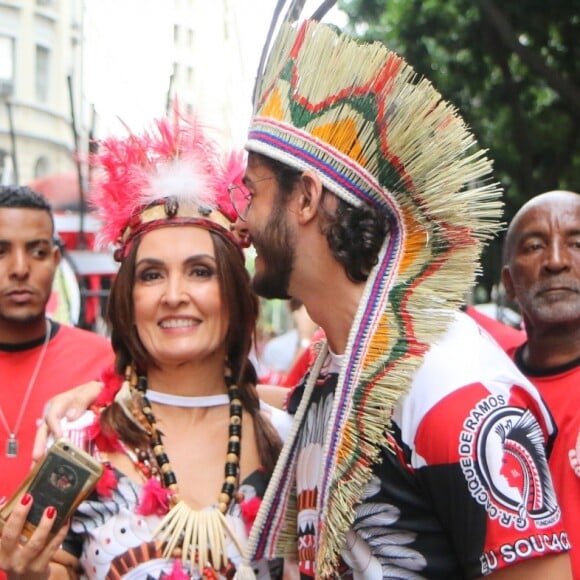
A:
x,y
38,356
542,272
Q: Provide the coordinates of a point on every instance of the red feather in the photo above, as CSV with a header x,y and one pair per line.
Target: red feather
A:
x,y
177,572
112,383
105,440
249,511
108,440
184,153
108,482
154,499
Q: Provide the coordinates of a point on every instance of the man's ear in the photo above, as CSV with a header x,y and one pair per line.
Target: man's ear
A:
x,y
56,254
310,197
508,283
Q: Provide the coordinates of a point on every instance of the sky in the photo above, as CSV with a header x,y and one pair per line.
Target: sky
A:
x,y
128,61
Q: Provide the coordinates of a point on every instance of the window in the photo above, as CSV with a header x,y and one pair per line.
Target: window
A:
x,y
42,73
6,66
6,168
41,167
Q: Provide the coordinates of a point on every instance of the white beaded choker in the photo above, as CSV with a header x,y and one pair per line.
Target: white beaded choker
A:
x,y
191,402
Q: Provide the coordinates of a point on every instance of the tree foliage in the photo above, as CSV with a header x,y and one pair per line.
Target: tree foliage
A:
x,y
513,70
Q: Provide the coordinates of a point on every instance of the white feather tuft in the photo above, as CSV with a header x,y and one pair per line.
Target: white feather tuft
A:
x,y
183,179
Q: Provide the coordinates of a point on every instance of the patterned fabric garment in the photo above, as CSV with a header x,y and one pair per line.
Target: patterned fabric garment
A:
x,y
113,541
117,542
560,388
466,492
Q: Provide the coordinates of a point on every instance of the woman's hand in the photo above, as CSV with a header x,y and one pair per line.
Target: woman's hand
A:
x,y
28,561
71,405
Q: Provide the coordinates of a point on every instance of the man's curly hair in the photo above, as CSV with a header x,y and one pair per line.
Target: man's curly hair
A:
x,y
354,234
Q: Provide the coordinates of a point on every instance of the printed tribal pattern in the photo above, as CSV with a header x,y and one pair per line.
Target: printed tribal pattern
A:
x,y
360,117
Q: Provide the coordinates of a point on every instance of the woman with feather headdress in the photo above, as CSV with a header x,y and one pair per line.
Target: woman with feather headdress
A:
x,y
187,445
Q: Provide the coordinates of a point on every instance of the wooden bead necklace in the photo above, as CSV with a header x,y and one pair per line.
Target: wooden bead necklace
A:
x,y
199,535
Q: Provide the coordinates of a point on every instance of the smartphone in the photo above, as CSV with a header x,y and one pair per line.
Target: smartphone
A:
x,y
64,478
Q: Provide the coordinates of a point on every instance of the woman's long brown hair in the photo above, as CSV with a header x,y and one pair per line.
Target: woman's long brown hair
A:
x,y
242,308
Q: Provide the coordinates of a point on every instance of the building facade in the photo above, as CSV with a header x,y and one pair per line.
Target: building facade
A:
x,y
40,75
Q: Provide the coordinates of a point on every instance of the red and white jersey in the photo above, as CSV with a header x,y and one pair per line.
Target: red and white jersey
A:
x,y
560,388
468,490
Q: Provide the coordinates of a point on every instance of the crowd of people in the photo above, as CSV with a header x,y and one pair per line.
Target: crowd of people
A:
x,y
412,445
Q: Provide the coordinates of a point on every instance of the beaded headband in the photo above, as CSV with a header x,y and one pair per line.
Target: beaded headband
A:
x,y
175,173
359,116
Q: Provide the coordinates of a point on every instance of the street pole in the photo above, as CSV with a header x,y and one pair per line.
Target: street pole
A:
x,y
12,141
82,244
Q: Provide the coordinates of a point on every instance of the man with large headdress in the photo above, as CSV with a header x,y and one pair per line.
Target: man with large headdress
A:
x,y
368,200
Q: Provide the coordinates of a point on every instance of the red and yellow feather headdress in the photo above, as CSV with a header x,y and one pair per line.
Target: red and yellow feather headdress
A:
x,y
376,133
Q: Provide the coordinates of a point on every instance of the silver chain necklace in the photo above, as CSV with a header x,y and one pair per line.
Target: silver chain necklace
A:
x,y
12,441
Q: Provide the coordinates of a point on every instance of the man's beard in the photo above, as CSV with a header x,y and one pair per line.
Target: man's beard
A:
x,y
560,308
275,247
23,319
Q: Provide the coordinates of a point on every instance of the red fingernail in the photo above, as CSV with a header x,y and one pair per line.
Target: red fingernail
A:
x,y
50,512
26,499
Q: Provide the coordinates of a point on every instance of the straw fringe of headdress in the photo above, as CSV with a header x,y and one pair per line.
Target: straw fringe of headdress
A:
x,y
177,171
359,116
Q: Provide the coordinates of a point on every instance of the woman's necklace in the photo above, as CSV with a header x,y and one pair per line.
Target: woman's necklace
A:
x,y
199,535
187,402
12,441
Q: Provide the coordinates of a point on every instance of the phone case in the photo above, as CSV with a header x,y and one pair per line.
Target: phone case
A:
x,y
65,477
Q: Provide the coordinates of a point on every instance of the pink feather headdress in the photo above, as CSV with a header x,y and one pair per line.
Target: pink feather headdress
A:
x,y
175,173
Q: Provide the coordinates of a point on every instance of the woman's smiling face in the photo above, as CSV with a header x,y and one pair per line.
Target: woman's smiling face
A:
x,y
179,313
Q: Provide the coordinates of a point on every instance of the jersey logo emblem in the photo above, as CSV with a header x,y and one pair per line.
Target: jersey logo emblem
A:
x,y
503,460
